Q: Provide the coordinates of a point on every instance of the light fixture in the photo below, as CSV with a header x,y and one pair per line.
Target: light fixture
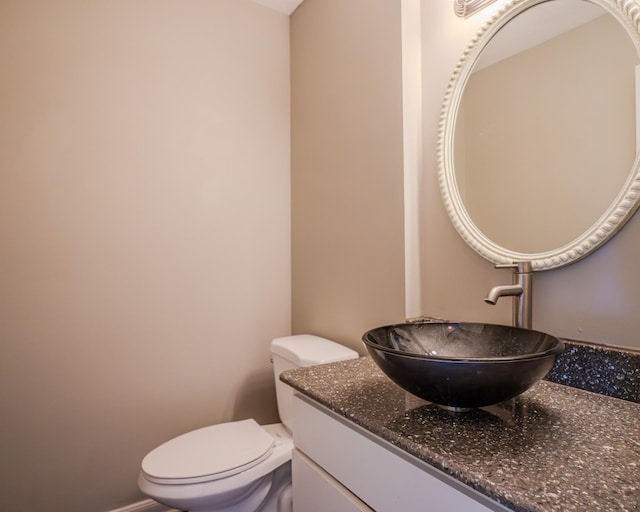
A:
x,y
465,8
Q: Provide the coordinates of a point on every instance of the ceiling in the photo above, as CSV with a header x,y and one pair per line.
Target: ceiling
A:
x,y
285,6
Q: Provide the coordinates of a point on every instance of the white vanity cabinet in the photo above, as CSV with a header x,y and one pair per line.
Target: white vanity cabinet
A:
x,y
341,467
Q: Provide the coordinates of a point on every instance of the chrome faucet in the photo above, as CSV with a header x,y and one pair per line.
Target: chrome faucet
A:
x,y
520,289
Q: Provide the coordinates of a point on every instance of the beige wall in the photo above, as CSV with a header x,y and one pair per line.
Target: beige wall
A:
x,y
347,206
144,219
595,299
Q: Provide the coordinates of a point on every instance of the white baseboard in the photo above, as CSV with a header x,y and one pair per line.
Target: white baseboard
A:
x,y
144,506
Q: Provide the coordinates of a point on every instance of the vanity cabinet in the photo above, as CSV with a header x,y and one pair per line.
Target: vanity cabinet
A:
x,y
340,467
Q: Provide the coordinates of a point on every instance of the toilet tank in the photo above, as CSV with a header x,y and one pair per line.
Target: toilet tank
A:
x,y
301,351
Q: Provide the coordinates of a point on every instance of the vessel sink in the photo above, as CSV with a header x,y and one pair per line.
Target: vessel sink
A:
x,y
462,366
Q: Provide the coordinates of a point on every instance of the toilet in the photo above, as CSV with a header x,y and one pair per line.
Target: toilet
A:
x,y
238,466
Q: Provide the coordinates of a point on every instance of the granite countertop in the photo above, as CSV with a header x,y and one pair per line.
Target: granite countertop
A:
x,y
554,448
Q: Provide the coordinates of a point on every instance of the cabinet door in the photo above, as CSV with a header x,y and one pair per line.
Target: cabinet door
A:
x,y
314,490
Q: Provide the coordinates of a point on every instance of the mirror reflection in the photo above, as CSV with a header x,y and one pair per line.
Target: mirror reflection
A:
x,y
545,133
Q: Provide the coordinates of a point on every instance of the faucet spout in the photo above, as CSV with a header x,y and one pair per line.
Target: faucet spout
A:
x,y
508,290
520,290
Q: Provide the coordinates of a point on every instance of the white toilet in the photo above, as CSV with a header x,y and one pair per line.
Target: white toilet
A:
x,y
238,466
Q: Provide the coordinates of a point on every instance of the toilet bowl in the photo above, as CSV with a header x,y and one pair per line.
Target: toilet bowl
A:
x,y
237,466
229,467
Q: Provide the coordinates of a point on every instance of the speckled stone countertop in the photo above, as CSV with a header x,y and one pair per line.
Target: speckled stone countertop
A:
x,y
554,448
605,370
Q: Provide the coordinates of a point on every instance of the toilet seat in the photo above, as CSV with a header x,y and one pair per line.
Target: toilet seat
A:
x,y
209,453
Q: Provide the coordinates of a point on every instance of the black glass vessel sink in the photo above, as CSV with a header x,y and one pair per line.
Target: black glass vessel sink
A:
x,y
462,365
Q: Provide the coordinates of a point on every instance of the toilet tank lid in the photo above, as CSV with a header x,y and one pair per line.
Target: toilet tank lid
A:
x,y
307,350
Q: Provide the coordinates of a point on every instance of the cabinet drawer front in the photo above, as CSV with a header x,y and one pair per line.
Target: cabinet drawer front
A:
x,y
374,470
314,490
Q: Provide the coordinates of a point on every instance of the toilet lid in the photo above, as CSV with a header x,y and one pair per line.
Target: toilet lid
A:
x,y
209,453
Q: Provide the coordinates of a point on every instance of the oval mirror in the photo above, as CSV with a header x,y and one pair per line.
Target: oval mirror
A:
x,y
537,145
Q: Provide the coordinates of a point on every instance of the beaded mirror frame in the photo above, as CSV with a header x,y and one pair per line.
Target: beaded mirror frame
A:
x,y
620,210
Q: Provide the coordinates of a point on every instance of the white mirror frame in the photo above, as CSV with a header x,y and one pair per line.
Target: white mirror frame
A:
x,y
627,13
